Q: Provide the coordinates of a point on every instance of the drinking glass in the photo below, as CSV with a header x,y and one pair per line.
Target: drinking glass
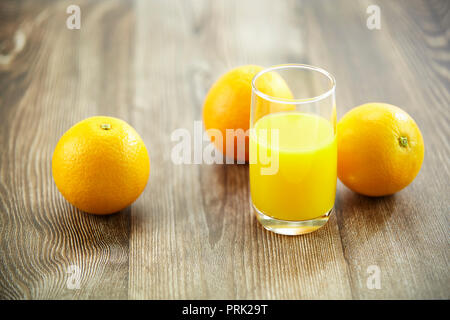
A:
x,y
293,151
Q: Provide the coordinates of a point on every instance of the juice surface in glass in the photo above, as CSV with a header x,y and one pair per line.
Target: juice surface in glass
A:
x,y
304,186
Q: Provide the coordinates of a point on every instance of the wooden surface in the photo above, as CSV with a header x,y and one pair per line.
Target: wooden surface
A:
x,y
192,234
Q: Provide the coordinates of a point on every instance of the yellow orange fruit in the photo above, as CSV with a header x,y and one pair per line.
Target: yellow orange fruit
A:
x,y
101,165
380,149
227,104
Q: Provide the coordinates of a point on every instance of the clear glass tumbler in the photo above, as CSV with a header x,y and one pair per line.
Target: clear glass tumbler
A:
x,y
293,151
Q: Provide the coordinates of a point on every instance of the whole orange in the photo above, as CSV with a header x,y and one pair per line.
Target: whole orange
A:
x,y
227,104
380,149
101,165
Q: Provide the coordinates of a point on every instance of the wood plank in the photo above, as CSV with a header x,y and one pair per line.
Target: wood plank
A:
x,y
60,77
198,237
405,64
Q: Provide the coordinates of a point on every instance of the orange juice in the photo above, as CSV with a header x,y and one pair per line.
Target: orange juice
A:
x,y
302,184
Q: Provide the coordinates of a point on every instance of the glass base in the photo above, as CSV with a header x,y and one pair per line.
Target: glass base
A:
x,y
291,228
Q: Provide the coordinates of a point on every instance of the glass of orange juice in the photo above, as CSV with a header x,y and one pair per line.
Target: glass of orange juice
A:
x,y
293,152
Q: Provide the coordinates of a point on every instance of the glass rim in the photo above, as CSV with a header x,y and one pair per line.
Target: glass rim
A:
x,y
295,101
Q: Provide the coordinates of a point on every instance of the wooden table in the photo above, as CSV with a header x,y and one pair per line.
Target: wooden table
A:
x,y
192,233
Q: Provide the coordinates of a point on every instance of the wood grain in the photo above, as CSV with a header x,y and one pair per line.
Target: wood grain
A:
x,y
192,234
59,78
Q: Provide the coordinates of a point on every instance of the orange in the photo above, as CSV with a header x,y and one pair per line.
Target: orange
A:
x,y
380,149
227,104
101,165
